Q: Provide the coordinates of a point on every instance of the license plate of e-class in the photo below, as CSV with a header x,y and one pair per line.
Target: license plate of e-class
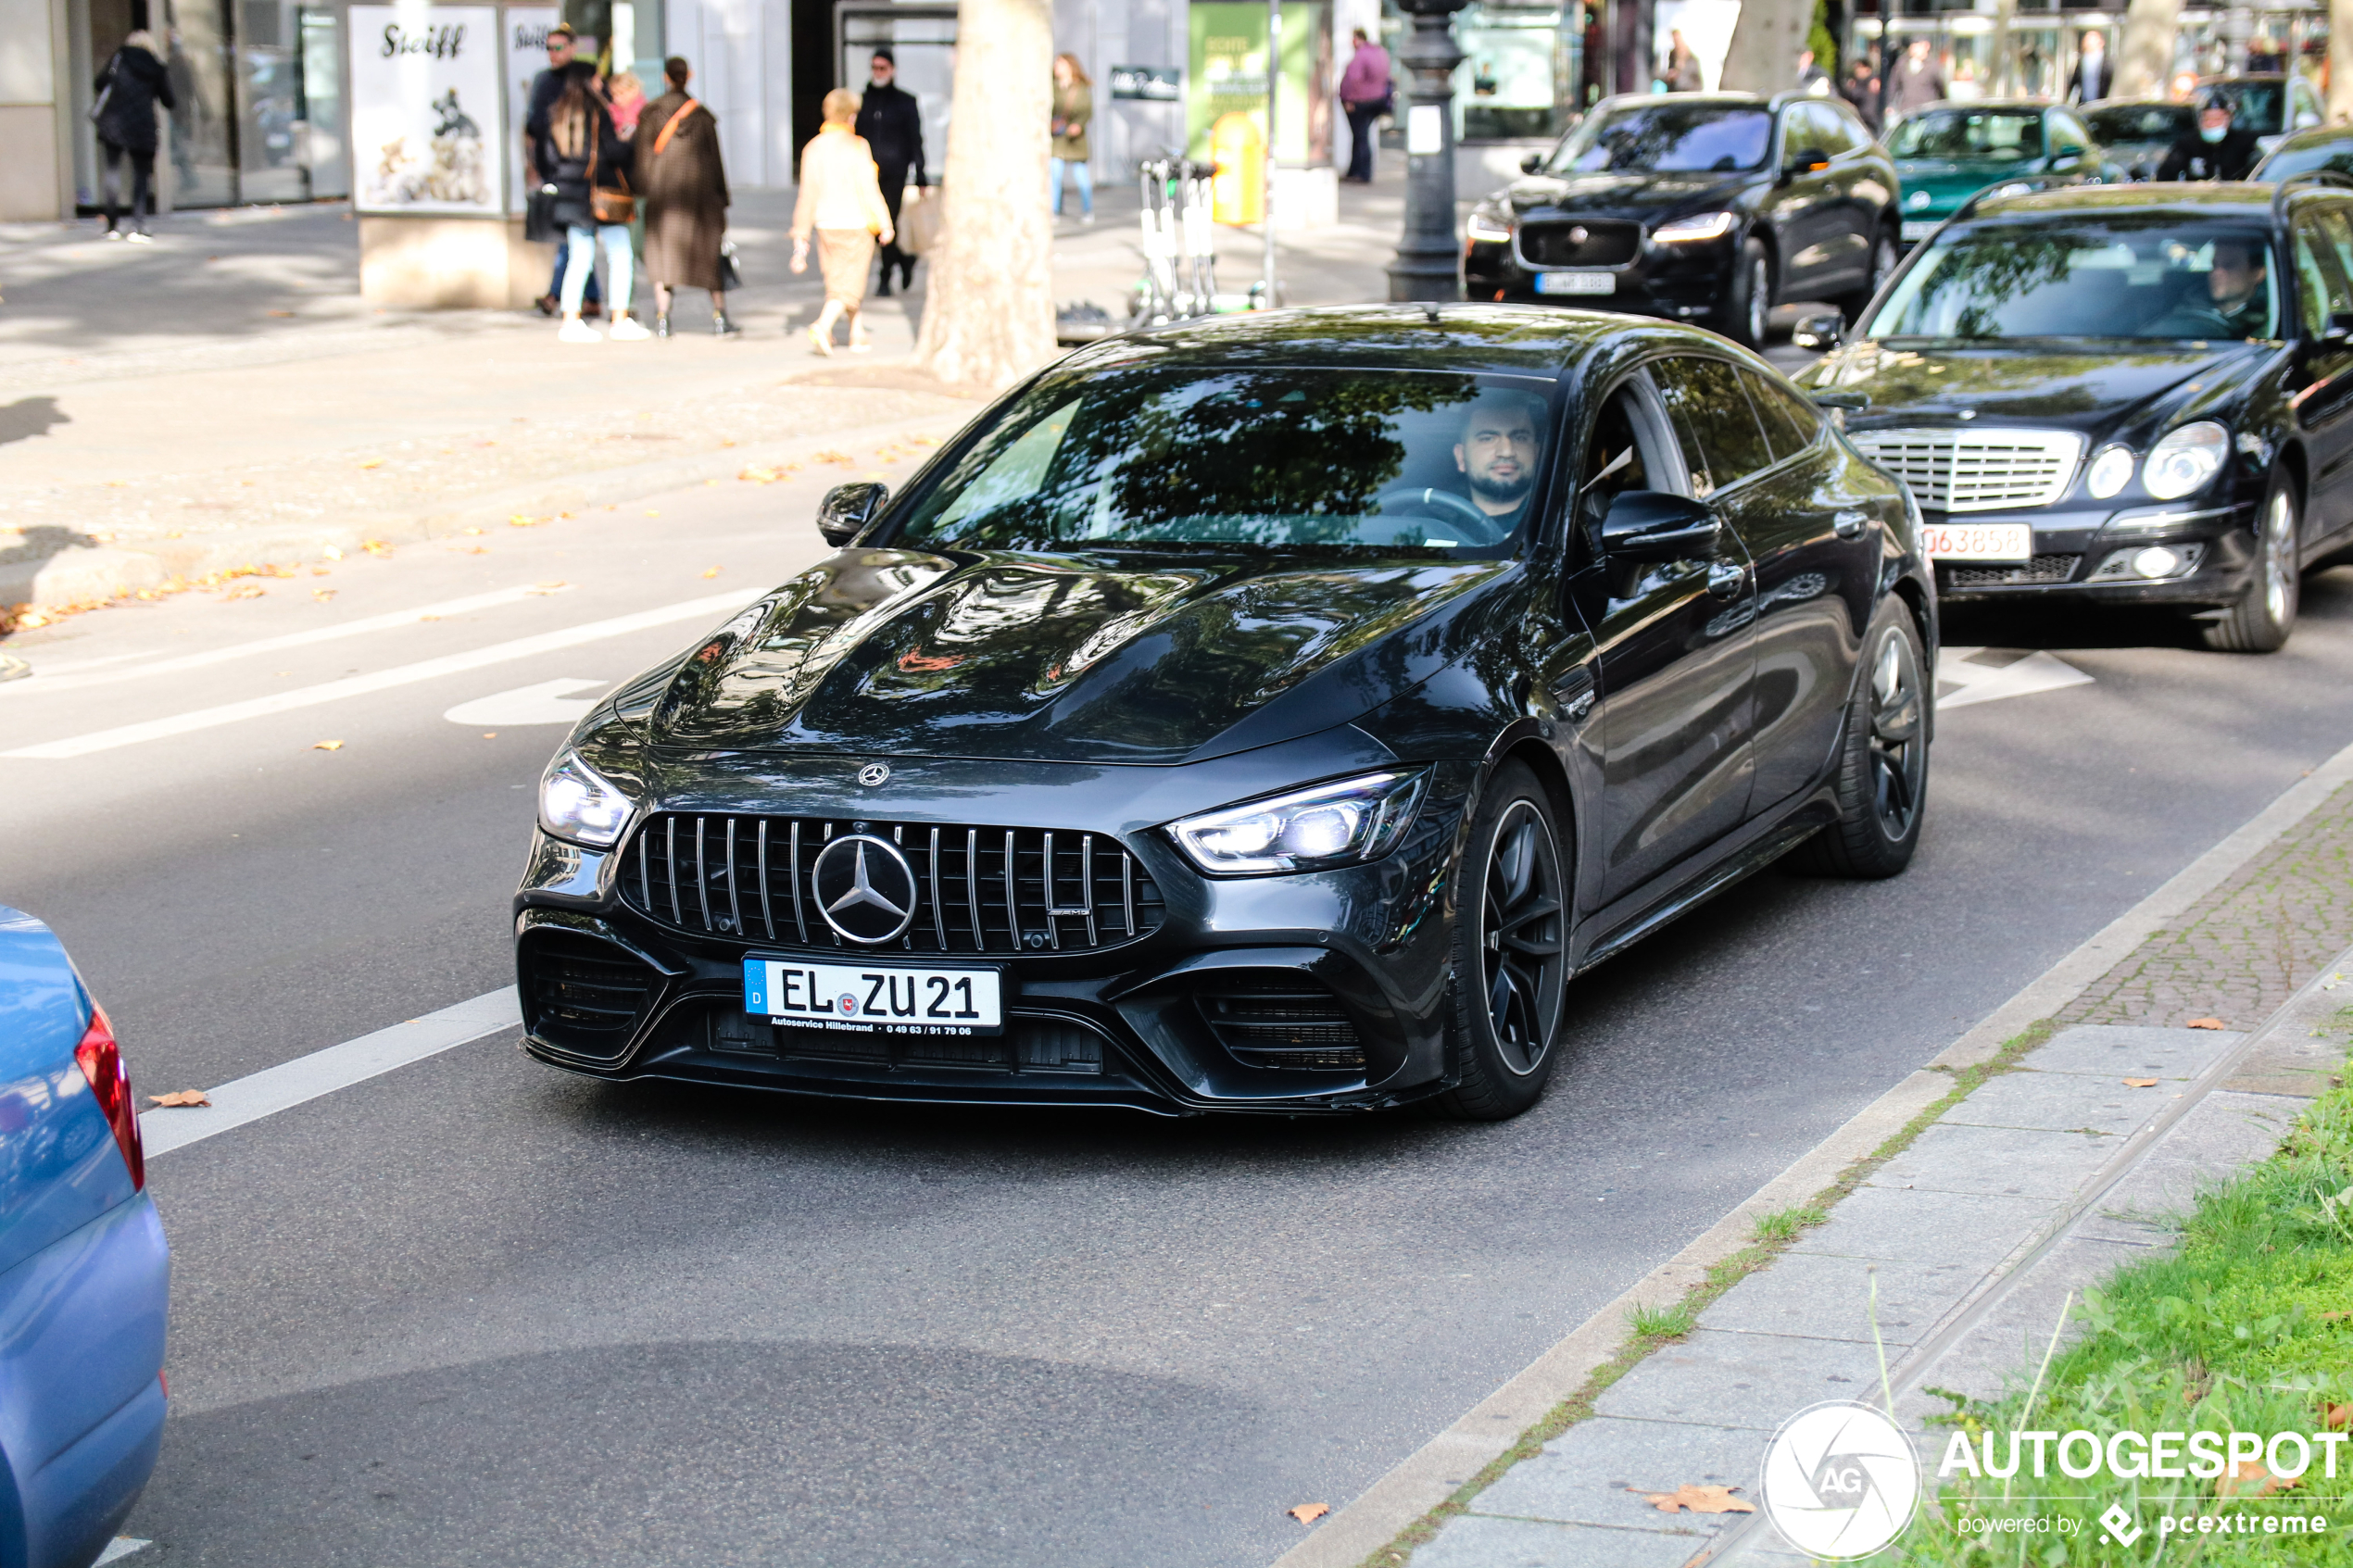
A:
x,y
1576,282
1978,541
874,999
1917,229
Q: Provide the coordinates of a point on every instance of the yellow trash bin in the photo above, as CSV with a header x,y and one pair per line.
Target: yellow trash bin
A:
x,y
1237,194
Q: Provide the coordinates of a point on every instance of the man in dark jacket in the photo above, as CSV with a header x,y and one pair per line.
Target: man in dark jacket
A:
x,y
2215,150
132,83
1861,89
546,88
892,124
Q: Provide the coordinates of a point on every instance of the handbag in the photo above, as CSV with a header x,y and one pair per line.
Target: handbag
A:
x,y
617,205
539,225
923,224
98,104
731,277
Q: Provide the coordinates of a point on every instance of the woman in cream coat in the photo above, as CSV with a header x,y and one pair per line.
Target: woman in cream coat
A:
x,y
841,199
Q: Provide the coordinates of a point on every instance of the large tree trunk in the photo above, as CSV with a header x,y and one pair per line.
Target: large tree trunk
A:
x,y
990,316
2148,50
1762,56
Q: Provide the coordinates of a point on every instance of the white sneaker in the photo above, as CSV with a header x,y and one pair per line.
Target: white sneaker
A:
x,y
141,237
626,330
577,330
114,233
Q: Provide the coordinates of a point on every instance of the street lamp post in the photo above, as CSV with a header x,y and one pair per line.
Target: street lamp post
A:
x,y
1429,257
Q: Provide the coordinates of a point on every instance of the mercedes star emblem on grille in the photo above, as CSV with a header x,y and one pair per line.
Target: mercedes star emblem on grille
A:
x,y
865,889
873,774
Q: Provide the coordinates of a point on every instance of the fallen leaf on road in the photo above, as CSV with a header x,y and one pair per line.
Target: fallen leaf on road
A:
x,y
281,312
2248,1478
710,481
1700,1499
332,553
754,473
117,484
557,587
375,546
180,1096
246,591
318,571
2208,1024
1308,1513
326,746
428,618
490,734
519,520
322,594
713,571
372,463
653,514
844,459
2140,1082
473,532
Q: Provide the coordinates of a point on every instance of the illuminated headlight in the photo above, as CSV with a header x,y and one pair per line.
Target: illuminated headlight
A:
x,y
1326,825
577,803
1706,226
2182,463
2112,472
1485,228
1917,200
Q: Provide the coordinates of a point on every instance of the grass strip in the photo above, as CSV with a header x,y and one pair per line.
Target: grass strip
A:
x,y
1651,1327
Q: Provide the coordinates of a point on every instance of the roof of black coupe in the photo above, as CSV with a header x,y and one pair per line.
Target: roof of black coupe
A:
x,y
2183,199
1496,339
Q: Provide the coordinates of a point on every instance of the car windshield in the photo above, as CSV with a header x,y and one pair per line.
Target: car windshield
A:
x,y
2164,279
1278,458
1988,135
2140,122
1668,137
2335,155
2254,105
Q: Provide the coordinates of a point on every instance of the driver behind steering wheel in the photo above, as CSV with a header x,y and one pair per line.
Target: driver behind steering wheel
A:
x,y
1499,453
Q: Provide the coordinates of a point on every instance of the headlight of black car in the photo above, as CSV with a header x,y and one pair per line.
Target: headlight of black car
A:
x,y
579,804
1486,226
1343,824
2182,463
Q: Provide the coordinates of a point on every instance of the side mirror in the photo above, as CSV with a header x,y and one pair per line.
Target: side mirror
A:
x,y
1532,163
1818,332
2337,333
1808,161
846,510
1853,402
1650,525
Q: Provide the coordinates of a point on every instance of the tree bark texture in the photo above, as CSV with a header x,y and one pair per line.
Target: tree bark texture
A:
x,y
989,316
2145,60
1762,56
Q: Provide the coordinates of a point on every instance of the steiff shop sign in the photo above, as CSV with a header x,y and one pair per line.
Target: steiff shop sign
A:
x,y
425,109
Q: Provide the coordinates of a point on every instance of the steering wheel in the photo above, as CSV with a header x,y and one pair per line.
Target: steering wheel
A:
x,y
1443,501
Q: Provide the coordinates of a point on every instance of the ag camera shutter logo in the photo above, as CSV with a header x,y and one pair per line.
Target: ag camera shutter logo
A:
x,y
1841,1481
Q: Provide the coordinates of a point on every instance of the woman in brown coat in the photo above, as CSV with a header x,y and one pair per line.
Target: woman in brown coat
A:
x,y
686,192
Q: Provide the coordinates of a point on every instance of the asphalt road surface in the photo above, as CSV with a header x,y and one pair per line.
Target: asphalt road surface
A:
x,y
478,1311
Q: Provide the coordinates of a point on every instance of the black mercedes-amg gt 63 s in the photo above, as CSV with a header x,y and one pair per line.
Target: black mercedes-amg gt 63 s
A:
x,y
1270,714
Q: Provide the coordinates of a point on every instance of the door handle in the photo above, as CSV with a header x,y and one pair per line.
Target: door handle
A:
x,y
1848,525
1724,579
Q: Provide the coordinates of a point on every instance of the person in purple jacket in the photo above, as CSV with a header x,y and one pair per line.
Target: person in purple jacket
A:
x,y
1365,93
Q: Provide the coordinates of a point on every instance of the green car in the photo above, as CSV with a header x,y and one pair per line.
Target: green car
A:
x,y
1947,152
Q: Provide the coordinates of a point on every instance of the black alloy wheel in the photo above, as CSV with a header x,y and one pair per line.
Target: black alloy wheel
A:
x,y
1510,952
1882,768
1748,302
1883,263
2265,614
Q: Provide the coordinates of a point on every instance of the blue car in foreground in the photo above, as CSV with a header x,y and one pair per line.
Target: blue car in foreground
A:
x,y
84,1270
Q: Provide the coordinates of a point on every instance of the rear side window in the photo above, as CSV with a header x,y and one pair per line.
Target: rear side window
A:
x,y
2321,282
1790,422
1715,423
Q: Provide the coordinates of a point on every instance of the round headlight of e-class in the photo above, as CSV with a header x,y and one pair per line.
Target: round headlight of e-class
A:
x,y
1322,826
578,803
1485,227
2182,463
2112,472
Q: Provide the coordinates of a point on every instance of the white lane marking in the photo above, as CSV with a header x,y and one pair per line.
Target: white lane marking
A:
x,y
74,675
1961,680
549,702
382,679
323,1071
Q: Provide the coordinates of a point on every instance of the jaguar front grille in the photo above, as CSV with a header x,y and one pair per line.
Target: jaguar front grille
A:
x,y
977,889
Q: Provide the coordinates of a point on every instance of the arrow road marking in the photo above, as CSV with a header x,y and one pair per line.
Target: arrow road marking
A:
x,y
549,702
1964,676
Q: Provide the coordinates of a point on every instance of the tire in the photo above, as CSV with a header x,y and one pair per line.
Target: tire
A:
x,y
1882,763
1883,262
2265,614
1511,953
1749,298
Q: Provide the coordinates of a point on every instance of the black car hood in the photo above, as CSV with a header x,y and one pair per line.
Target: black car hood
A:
x,y
2098,389
1629,195
1062,658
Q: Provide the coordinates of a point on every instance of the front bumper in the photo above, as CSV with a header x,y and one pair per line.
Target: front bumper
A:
x,y
2076,555
1679,282
1318,992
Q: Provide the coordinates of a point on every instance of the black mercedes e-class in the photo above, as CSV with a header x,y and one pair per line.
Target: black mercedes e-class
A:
x,y
1709,207
2138,393
1265,715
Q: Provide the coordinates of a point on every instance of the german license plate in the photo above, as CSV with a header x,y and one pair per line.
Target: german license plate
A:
x,y
1978,541
1576,282
1916,229
874,999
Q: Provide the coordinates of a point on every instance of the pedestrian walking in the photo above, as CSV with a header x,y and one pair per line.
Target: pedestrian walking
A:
x,y
684,184
841,201
892,122
128,90
587,163
1073,107
625,96
2215,148
1917,82
1682,73
2092,80
1367,92
546,88
1812,79
1861,90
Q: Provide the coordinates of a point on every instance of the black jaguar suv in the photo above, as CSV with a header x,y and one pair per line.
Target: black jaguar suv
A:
x,y
1271,714
1706,206
2137,394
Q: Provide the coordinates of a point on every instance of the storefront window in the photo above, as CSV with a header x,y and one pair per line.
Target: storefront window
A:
x,y
1519,71
203,172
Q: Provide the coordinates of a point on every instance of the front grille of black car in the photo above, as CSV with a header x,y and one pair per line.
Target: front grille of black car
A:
x,y
2041,569
1269,1019
587,995
978,889
1029,1045
1555,245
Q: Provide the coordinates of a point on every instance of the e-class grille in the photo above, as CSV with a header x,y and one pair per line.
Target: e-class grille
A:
x,y
977,889
1976,470
1579,244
